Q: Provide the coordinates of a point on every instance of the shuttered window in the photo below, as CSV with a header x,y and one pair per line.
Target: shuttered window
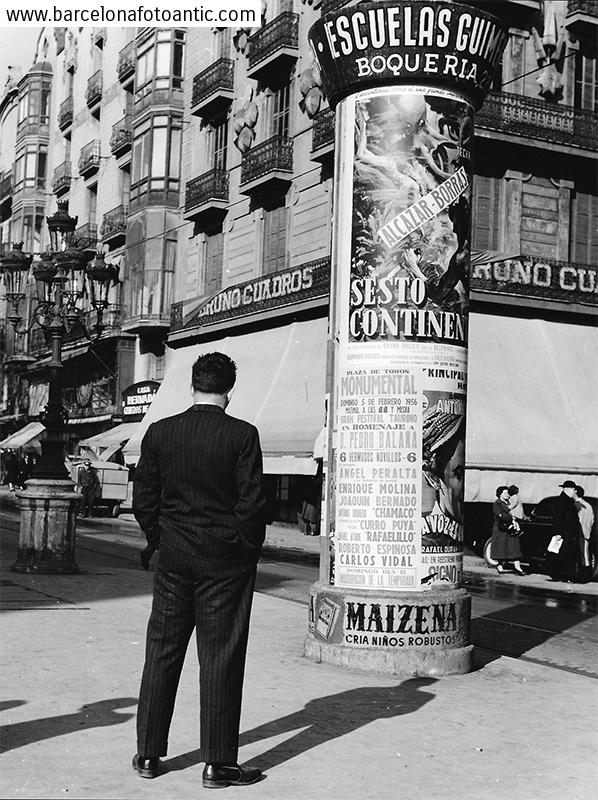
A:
x,y
584,228
214,261
275,240
486,193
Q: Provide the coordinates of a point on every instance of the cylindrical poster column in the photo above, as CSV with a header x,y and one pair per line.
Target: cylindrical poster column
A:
x,y
405,79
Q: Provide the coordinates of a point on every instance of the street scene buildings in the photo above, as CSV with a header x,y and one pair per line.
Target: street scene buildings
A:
x,y
200,162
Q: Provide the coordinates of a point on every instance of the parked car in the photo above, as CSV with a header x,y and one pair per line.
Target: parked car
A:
x,y
537,532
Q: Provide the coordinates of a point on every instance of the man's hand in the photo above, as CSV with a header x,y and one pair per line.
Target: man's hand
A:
x,y
145,556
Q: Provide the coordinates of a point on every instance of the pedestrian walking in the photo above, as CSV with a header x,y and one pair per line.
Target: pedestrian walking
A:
x,y
89,485
505,547
585,513
564,559
199,499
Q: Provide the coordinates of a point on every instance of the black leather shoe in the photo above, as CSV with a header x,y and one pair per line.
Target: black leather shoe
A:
x,y
219,776
146,767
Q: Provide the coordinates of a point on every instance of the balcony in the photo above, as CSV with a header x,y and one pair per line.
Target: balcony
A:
x,y
114,227
206,197
87,236
267,165
322,136
125,66
213,89
526,116
582,16
89,159
61,180
274,48
65,113
122,137
93,93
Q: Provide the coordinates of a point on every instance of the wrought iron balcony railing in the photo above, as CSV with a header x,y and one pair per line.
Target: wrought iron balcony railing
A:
x,y
87,235
212,185
65,113
93,93
273,155
323,130
114,223
125,66
527,116
282,32
89,158
218,77
122,136
61,179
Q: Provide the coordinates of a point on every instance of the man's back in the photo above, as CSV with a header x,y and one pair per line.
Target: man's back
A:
x,y
198,485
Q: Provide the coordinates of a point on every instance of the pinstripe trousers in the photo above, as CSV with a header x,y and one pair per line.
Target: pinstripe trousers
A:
x,y
214,598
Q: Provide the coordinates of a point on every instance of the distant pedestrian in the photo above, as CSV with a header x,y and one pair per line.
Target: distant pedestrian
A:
x,y
12,470
515,504
24,473
585,513
566,564
89,483
505,547
198,497
310,510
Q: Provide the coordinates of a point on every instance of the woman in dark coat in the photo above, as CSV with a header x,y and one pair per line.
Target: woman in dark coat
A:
x,y
505,533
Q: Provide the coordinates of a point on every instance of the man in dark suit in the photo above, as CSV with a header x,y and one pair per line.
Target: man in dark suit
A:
x,y
198,497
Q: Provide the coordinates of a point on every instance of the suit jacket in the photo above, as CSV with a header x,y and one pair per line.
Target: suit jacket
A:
x,y
198,485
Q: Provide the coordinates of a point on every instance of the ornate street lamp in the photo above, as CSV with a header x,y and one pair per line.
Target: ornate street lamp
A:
x,y
64,280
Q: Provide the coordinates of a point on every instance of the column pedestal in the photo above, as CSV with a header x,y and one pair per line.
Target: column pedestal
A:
x,y
48,528
398,633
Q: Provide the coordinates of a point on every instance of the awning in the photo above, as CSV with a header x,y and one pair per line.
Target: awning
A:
x,y
533,389
280,389
19,439
105,444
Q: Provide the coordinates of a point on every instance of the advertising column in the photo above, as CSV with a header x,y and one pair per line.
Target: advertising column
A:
x,y
405,79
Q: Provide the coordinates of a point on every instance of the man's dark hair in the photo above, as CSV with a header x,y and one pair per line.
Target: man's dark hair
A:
x,y
214,373
580,491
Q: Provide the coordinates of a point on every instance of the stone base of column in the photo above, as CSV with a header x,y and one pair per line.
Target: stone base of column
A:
x,y
398,633
48,524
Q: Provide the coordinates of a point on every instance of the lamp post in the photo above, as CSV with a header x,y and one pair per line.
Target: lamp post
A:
x,y
65,277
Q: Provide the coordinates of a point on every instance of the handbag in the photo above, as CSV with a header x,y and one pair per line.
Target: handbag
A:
x,y
555,544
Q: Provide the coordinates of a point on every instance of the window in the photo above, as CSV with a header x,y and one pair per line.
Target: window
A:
x,y
30,168
32,231
486,194
214,254
160,62
274,250
92,204
584,228
222,43
279,111
156,156
34,103
217,145
586,80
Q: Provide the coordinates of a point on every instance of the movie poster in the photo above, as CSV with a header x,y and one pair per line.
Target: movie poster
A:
x,y
401,368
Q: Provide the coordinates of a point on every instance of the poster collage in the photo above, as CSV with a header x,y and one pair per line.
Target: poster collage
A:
x,y
396,509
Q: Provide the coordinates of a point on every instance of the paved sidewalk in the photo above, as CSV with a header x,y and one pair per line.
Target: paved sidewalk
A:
x,y
71,659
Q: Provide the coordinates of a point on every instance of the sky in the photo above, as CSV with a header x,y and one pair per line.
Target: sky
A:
x,y
17,47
